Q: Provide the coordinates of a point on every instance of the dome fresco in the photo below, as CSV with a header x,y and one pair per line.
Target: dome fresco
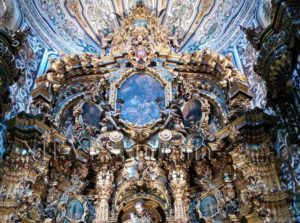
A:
x,y
77,26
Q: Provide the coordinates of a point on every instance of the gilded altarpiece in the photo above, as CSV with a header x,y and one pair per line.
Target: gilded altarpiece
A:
x,y
142,134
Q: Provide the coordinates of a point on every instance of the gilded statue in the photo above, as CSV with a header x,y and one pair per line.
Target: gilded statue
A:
x,y
108,118
140,215
175,39
173,116
104,40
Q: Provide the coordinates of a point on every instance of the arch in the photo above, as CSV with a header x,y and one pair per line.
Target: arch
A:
x,y
65,104
69,103
127,191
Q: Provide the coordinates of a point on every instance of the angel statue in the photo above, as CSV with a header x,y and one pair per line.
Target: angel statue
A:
x,y
108,118
105,41
173,117
175,40
140,215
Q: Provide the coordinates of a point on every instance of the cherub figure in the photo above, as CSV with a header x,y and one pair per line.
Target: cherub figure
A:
x,y
175,39
257,186
97,92
104,40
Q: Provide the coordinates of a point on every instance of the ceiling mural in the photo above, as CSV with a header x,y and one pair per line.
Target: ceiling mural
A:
x,y
73,26
212,29
28,59
180,15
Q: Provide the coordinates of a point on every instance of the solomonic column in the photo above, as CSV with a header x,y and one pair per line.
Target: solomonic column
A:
x,y
104,189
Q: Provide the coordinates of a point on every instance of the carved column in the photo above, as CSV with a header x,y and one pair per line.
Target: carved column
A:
x,y
104,189
177,166
179,185
25,173
23,184
262,196
278,64
104,181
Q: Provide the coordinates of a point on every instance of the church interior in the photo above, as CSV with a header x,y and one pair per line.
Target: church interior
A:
x,y
140,111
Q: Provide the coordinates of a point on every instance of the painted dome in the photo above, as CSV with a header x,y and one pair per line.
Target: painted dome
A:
x,y
77,26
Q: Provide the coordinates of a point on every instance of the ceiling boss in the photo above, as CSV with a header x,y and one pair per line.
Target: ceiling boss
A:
x,y
143,133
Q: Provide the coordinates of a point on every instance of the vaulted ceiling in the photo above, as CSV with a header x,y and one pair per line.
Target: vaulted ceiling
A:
x,y
73,25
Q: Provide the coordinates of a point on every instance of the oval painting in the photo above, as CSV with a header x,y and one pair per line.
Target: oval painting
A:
x,y
91,114
208,206
197,142
192,113
140,93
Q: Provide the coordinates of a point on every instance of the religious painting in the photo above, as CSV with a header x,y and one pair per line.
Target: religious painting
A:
x,y
91,114
140,215
192,113
143,96
197,142
67,123
208,206
142,211
67,115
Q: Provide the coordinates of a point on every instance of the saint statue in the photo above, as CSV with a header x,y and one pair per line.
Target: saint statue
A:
x,y
140,215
